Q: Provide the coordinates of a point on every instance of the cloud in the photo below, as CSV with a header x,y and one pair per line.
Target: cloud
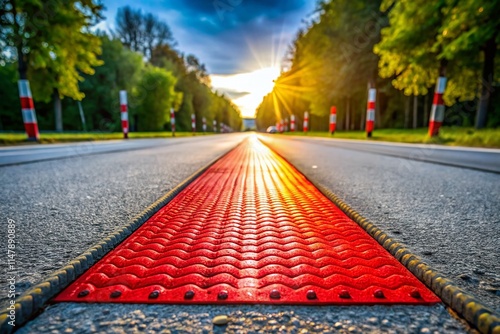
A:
x,y
229,36
231,93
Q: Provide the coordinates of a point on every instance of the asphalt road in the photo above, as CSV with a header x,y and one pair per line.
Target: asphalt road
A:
x,y
448,215
473,158
14,155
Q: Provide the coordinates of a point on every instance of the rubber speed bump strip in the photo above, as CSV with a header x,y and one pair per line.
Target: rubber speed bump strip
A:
x,y
463,303
251,229
34,300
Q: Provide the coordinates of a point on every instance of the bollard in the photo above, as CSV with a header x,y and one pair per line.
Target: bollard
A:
x,y
437,112
28,110
172,121
204,125
306,122
370,111
215,125
124,112
333,119
292,123
193,123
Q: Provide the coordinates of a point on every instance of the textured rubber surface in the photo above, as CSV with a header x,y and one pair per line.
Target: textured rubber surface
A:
x,y
251,229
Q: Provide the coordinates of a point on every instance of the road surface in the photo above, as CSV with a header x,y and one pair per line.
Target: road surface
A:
x,y
14,155
483,159
448,215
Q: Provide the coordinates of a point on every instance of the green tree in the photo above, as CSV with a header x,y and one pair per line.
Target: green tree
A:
x,y
121,70
407,50
52,44
155,96
10,117
470,28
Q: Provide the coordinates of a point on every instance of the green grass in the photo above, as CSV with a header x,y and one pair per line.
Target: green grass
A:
x,y
452,136
45,138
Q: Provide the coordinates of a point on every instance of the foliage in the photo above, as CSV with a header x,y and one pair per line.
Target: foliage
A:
x,y
155,95
121,71
334,59
10,115
51,42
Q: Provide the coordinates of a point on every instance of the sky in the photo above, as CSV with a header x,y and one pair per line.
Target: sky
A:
x,y
241,42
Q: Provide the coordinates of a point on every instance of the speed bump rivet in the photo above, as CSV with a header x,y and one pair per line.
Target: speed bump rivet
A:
x,y
189,294
154,294
311,295
275,294
344,294
83,293
223,295
415,294
115,294
378,294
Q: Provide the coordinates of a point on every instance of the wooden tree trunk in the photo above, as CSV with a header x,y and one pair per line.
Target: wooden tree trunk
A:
x,y
486,82
57,110
415,111
407,112
425,122
347,111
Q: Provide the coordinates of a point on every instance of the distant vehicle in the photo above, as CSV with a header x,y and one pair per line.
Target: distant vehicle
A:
x,y
272,129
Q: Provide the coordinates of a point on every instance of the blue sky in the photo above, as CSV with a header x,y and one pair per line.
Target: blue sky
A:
x,y
230,36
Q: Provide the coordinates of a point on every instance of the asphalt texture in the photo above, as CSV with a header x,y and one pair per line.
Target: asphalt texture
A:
x,y
447,215
14,155
133,318
483,159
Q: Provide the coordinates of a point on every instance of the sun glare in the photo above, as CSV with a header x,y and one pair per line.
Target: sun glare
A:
x,y
251,87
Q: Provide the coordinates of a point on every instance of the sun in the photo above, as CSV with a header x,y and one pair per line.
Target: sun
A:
x,y
252,87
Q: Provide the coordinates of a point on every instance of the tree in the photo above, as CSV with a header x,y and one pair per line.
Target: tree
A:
x,y
471,27
121,70
407,49
155,96
52,44
10,117
193,65
142,32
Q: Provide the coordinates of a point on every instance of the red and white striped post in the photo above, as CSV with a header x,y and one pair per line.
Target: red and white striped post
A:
x,y
333,119
124,112
172,121
204,125
286,124
292,123
193,123
221,127
28,110
370,111
437,112
306,122
215,125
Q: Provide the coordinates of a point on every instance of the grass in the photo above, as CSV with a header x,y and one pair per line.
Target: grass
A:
x,y
45,138
452,136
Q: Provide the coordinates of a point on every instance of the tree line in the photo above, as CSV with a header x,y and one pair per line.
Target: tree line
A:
x,y
72,67
399,47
